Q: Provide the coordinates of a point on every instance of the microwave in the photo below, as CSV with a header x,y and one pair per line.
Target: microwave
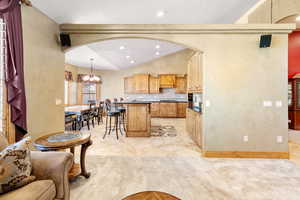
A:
x,y
197,100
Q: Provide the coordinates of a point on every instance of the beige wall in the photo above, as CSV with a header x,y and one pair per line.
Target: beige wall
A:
x,y
44,73
113,80
278,9
238,77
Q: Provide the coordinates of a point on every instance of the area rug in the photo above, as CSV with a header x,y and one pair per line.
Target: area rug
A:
x,y
163,131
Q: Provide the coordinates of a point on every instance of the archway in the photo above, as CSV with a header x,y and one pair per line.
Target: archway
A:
x,y
232,61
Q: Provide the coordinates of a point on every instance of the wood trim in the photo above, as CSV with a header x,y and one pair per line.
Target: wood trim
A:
x,y
79,93
26,2
98,91
240,154
9,129
184,29
69,93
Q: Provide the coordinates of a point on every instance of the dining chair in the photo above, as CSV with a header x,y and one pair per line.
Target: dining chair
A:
x,y
70,121
99,114
87,116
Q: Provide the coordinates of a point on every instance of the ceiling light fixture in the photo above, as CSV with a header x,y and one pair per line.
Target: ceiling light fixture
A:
x,y
157,46
160,13
127,57
91,77
132,61
157,53
122,47
298,19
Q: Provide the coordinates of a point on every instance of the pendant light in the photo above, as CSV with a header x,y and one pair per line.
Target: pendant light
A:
x,y
91,77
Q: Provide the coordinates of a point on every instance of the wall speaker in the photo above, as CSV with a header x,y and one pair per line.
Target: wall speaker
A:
x,y
65,40
265,41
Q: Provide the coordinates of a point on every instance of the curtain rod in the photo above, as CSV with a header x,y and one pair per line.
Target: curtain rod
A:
x,y
26,2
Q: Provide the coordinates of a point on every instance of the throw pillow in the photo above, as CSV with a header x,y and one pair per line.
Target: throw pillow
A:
x,y
15,166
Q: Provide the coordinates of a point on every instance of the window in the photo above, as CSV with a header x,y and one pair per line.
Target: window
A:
x,y
70,92
2,64
89,92
66,92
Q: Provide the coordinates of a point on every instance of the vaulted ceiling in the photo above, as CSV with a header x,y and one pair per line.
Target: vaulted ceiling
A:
x,y
107,54
120,53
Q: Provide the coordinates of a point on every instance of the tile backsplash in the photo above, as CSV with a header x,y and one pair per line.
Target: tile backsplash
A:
x,y
166,94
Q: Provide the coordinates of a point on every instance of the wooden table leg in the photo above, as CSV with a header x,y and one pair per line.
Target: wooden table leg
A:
x,y
82,159
72,150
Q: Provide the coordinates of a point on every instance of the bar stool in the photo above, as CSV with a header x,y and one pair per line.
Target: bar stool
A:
x,y
108,127
122,117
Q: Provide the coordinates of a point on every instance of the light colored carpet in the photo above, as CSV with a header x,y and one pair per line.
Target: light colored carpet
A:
x,y
174,165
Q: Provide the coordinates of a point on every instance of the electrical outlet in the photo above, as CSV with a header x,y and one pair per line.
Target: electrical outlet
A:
x,y
278,104
58,101
267,103
207,103
246,138
279,139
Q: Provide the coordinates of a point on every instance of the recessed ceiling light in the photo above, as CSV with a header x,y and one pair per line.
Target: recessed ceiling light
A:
x,y
157,53
157,46
122,47
298,18
132,61
160,13
127,57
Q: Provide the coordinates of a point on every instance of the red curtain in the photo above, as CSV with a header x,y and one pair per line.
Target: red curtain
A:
x,y
10,11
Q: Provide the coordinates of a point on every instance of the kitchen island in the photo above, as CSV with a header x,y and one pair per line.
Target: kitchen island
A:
x,y
138,118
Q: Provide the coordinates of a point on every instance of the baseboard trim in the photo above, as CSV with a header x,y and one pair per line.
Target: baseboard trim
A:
x,y
240,154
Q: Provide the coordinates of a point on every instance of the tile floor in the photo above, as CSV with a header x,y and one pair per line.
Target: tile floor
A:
x,y
174,165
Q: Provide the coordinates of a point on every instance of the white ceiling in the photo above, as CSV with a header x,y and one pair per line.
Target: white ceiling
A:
x,y
144,11
108,55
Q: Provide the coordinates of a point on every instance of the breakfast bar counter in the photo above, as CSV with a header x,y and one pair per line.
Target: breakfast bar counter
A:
x,y
138,118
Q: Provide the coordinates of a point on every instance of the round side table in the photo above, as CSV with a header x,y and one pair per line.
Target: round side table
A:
x,y
151,195
67,140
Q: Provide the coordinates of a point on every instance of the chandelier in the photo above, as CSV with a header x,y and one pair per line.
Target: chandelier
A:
x,y
91,77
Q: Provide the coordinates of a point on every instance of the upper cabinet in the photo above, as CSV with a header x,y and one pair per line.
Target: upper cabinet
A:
x,y
167,80
154,85
148,84
141,83
181,85
195,72
129,85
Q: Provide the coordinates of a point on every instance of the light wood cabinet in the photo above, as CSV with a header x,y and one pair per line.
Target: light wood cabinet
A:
x,y
141,83
155,107
154,85
168,109
181,85
181,110
147,84
167,80
138,120
194,126
195,73
129,85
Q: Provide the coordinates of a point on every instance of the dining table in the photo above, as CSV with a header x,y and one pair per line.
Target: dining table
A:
x,y
77,109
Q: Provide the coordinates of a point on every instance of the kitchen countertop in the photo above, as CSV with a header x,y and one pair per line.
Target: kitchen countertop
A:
x,y
196,110
164,101
133,102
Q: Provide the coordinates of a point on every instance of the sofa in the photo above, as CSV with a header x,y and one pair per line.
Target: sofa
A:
x,y
51,172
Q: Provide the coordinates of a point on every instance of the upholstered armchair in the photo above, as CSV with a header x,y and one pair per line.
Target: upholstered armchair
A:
x,y
51,172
